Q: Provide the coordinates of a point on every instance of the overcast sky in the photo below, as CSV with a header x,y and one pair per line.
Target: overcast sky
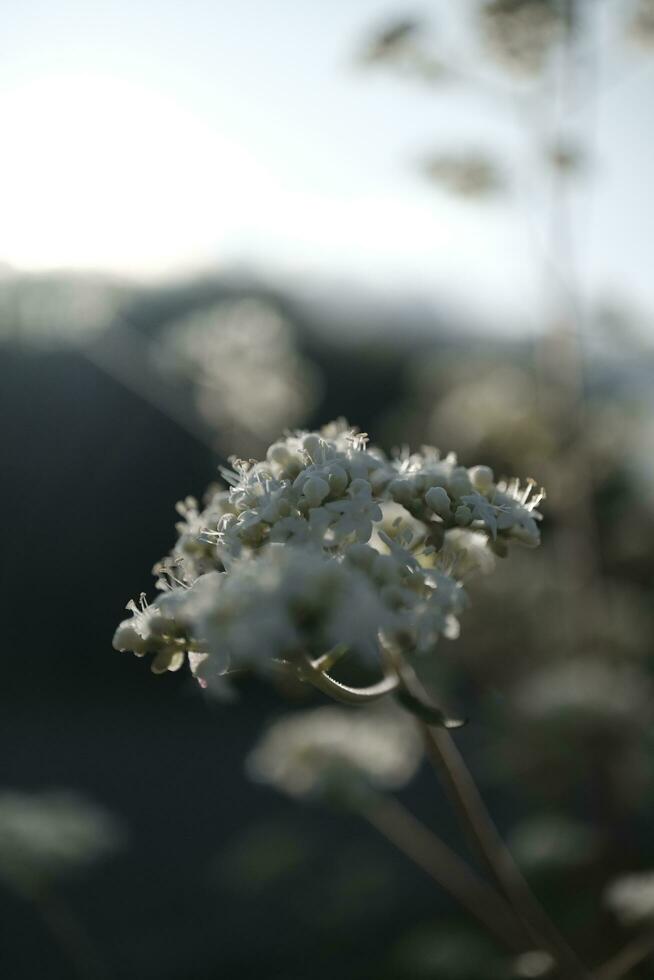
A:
x,y
150,137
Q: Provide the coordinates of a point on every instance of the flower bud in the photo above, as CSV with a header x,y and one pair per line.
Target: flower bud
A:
x,y
278,453
361,555
459,482
126,638
463,515
311,445
337,479
315,490
438,500
401,491
226,521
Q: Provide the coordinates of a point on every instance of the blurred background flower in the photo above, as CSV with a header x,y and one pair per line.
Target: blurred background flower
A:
x,y
48,835
241,360
335,751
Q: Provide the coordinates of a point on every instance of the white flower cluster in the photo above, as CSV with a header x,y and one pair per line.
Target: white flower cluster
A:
x,y
310,752
326,543
43,835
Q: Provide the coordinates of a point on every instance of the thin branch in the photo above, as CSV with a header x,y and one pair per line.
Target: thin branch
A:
x,y
482,831
428,852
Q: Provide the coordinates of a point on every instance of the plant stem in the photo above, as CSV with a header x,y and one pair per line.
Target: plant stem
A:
x,y
467,800
312,673
428,852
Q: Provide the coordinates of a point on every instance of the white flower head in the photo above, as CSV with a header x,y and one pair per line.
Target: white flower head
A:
x,y
326,543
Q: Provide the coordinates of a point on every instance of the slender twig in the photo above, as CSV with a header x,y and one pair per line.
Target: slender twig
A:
x,y
434,857
465,796
629,956
443,752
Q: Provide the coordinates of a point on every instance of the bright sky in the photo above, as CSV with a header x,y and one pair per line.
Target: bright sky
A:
x,y
151,136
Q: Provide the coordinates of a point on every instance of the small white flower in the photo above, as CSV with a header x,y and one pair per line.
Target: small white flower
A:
x,y
482,510
357,513
155,629
466,550
438,499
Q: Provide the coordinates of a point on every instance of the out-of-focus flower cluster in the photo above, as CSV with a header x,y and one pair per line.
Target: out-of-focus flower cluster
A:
x,y
585,690
45,835
326,544
402,45
336,752
642,24
49,310
521,33
631,898
470,174
249,380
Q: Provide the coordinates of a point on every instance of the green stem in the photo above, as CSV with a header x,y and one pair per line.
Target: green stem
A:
x,y
428,852
482,831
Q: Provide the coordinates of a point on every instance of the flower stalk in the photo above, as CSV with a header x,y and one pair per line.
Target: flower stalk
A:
x,y
398,825
487,842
